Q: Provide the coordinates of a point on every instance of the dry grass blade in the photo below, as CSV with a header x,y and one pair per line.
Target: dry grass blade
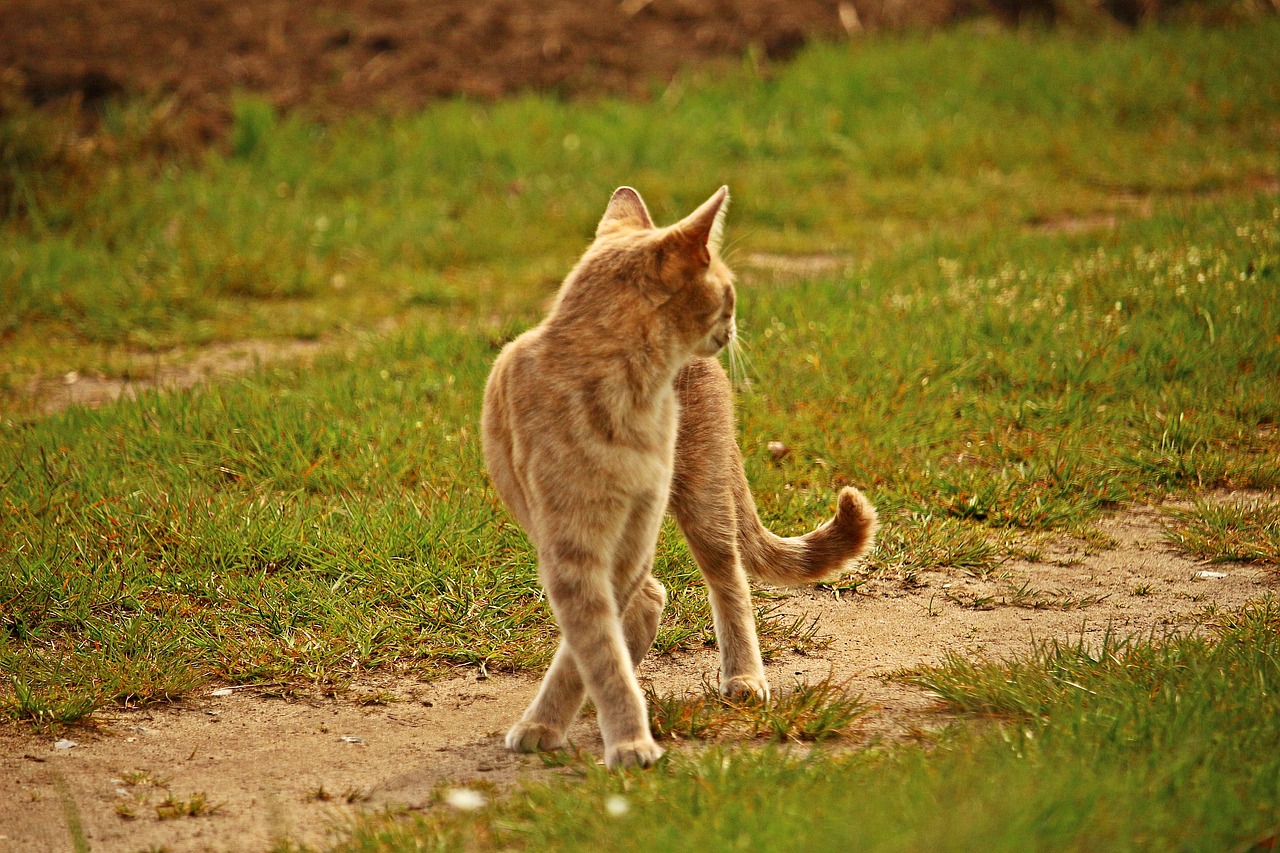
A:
x,y
807,712
1229,532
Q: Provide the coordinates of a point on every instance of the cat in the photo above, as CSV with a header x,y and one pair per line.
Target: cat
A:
x,y
597,421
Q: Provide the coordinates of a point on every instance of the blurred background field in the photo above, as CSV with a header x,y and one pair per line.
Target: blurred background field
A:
x,y
292,213
332,58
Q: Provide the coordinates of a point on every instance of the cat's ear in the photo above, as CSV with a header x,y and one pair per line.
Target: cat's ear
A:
x,y
626,210
703,230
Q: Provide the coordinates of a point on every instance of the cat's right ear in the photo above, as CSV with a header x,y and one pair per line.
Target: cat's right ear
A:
x,y
626,210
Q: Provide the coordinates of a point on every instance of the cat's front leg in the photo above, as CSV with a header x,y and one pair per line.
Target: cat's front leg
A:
x,y
546,722
579,588
742,673
741,665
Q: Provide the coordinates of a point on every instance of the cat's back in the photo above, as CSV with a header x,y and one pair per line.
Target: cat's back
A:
x,y
555,409
509,380
510,395
527,378
532,397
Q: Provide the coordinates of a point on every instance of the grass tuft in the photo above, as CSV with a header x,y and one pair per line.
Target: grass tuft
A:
x,y
807,712
1228,531
196,805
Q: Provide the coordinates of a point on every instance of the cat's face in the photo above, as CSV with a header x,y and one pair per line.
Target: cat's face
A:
x,y
705,307
678,268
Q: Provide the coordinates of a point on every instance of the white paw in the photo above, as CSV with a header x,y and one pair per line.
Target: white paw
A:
x,y
746,687
533,737
632,753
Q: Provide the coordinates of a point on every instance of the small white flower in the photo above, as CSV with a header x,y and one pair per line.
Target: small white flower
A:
x,y
464,799
617,805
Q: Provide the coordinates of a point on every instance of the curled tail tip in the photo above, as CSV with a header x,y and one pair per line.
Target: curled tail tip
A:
x,y
852,507
817,555
856,517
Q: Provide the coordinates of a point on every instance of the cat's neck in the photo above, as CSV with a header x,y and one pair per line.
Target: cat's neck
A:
x,y
644,362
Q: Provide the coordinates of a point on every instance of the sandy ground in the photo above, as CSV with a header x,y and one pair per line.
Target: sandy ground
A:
x,y
175,370
277,768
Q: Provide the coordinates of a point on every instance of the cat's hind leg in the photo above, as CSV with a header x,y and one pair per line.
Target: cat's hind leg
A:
x,y
546,721
640,620
711,539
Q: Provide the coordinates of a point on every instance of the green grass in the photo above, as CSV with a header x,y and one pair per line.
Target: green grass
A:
x,y
1130,744
1229,531
301,524
981,375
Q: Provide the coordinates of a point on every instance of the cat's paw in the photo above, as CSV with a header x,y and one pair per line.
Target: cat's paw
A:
x,y
745,687
640,752
534,737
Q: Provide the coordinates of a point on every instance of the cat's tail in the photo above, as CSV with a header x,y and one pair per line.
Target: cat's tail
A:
x,y
804,559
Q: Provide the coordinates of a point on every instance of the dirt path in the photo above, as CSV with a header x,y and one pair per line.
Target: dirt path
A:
x,y
177,370
286,768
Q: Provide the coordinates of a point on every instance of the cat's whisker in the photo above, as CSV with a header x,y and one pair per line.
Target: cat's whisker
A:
x,y
746,364
729,251
741,368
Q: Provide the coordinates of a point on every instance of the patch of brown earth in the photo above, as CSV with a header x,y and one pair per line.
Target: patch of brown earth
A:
x,y
278,768
177,370
1077,224
335,57
1143,206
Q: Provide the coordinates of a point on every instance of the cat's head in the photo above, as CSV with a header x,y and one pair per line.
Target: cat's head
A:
x,y
675,272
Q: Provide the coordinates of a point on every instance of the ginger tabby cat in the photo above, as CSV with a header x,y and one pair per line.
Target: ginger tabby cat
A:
x,y
599,420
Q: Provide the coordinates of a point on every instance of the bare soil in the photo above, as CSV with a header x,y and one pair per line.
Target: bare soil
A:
x,y
174,370
281,768
333,57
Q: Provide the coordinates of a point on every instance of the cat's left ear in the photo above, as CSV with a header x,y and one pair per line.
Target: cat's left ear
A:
x,y
626,210
703,230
